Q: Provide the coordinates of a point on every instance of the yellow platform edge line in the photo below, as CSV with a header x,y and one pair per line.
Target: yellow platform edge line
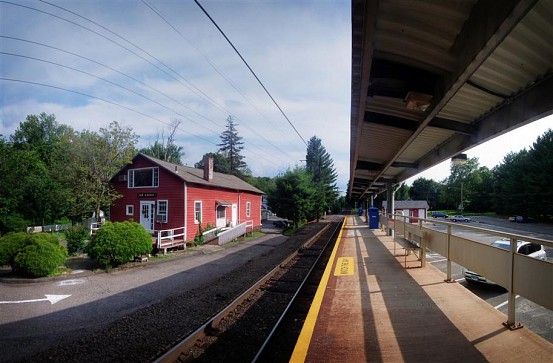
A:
x,y
304,340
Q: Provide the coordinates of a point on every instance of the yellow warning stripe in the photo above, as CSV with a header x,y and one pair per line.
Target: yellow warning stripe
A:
x,y
302,345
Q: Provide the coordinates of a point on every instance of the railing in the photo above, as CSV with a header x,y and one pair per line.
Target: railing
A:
x,y
519,274
49,228
171,237
211,234
233,233
94,226
249,226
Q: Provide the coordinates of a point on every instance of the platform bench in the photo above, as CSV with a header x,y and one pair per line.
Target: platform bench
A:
x,y
409,246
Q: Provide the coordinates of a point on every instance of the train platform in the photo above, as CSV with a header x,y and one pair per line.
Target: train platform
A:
x,y
370,308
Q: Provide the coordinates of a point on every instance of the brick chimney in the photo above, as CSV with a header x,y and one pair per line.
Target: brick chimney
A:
x,y
208,168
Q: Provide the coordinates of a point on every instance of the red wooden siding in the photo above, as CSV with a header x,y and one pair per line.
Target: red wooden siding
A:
x,y
210,196
181,197
171,188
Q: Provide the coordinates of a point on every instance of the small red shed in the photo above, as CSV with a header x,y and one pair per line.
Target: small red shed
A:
x,y
166,196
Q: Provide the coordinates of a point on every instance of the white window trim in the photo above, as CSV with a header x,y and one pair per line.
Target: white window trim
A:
x,y
155,182
129,209
159,202
196,221
248,209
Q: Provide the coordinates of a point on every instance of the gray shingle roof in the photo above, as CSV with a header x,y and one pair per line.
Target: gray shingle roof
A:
x,y
407,204
196,176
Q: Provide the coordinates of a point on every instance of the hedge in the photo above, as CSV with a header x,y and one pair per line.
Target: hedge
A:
x,y
37,255
119,242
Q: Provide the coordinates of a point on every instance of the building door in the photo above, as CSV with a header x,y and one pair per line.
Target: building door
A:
x,y
234,215
147,215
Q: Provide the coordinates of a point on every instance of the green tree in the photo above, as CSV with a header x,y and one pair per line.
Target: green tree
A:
x,y
93,160
231,146
220,163
263,183
33,192
426,189
164,148
320,165
459,185
538,177
294,196
508,183
402,193
480,193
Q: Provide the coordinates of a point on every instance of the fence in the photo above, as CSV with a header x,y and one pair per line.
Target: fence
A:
x,y
49,228
167,238
233,233
519,274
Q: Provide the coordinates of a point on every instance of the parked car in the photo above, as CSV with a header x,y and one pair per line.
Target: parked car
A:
x,y
283,223
439,215
533,250
459,217
523,219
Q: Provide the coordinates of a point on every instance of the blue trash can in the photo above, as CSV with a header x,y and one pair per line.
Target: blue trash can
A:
x,y
373,217
360,211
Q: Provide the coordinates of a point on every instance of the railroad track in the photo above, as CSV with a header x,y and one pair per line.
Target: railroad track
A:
x,y
250,327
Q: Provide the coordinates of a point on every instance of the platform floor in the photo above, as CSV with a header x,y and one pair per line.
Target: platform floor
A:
x,y
369,308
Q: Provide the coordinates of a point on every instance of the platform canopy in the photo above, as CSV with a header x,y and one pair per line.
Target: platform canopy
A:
x,y
431,79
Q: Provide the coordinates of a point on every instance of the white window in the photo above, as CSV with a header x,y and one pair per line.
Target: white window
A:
x,y
143,178
248,208
221,211
162,215
130,210
197,212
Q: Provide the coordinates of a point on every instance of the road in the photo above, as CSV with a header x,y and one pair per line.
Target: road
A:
x,y
31,314
532,316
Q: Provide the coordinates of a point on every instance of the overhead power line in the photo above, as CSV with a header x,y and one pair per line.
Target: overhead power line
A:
x,y
227,79
251,70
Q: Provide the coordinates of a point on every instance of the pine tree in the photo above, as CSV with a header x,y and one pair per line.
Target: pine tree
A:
x,y
231,146
321,166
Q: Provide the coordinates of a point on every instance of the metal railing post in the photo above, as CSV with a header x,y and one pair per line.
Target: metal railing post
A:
x,y
423,245
510,323
448,277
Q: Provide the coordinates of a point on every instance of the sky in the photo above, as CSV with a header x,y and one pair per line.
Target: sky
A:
x,y
147,63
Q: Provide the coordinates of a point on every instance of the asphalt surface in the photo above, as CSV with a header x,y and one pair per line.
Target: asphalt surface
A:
x,y
531,315
41,311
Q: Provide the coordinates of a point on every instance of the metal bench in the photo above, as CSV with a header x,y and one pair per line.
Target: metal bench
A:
x,y
408,243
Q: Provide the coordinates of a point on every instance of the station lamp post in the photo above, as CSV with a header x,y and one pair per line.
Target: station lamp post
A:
x,y
460,159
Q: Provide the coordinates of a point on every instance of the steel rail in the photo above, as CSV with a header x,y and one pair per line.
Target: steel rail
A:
x,y
293,299
212,324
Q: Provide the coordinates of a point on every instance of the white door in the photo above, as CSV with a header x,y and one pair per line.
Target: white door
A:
x,y
147,215
234,215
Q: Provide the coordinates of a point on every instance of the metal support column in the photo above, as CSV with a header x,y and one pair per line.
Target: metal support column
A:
x,y
510,323
390,203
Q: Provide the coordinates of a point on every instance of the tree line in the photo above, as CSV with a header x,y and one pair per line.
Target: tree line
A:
x,y
519,185
51,173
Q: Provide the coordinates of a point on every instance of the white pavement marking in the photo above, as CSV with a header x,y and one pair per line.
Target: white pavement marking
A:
x,y
52,298
70,282
442,260
505,302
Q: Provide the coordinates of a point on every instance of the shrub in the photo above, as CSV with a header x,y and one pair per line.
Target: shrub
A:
x,y
199,238
119,242
33,254
76,237
13,223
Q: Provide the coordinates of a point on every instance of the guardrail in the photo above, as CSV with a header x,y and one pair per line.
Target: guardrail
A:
x,y
519,274
167,238
49,228
233,233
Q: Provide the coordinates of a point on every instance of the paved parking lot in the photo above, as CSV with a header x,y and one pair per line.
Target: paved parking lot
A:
x,y
532,316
